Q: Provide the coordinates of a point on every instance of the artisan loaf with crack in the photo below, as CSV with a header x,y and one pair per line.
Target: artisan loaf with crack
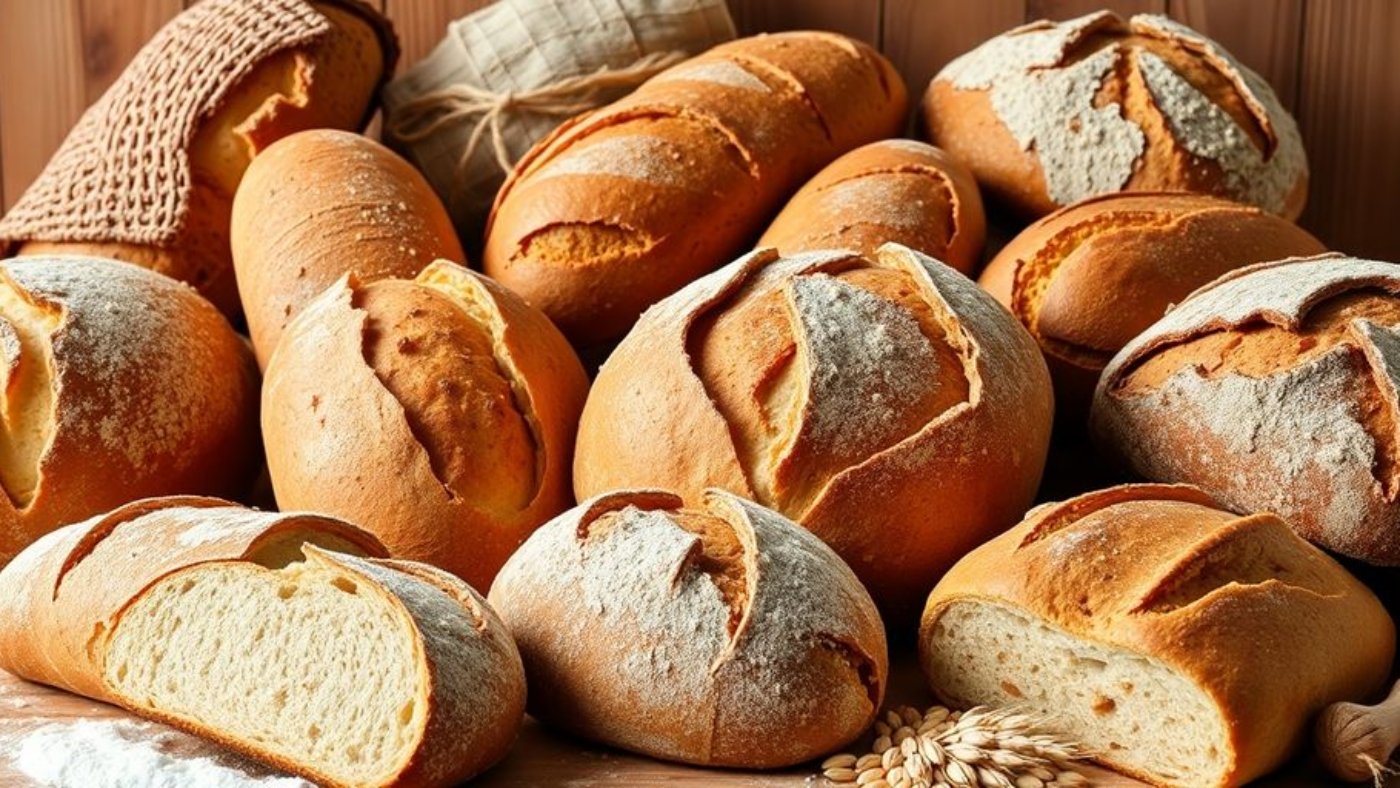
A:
x,y
116,383
721,634
1273,388
886,403
1088,278
1178,642
319,204
900,191
623,206
213,88
1051,113
437,412
283,636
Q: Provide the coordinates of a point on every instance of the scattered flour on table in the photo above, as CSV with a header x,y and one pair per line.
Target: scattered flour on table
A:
x,y
124,754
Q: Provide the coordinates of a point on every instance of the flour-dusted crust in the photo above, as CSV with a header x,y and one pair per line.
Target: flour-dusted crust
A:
x,y
120,384
1049,114
635,634
1161,574
1307,440
650,420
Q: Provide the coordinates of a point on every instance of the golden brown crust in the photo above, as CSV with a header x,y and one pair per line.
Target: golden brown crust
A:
x,y
740,413
598,221
898,191
339,440
1088,278
1164,572
319,204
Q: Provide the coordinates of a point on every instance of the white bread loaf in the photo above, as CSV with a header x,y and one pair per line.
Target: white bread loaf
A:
x,y
723,636
1179,643
244,627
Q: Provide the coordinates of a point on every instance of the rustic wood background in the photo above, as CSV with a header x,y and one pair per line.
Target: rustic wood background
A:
x,y
1334,63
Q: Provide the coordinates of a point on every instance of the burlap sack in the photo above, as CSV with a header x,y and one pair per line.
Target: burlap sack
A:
x,y
123,174
507,75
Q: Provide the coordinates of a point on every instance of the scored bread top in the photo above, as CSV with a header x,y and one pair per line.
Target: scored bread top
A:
x,y
900,191
622,206
60,598
1163,573
1288,371
1100,104
722,635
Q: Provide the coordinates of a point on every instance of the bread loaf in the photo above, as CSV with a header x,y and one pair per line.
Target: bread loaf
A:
x,y
1273,388
212,89
319,204
1088,278
625,205
898,191
118,384
721,635
1179,643
244,627
1051,113
886,403
438,412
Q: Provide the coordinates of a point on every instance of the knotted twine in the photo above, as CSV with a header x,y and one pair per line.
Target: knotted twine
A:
x,y
423,116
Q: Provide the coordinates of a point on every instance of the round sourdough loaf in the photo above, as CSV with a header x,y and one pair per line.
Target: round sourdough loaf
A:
x,y
721,635
623,206
1088,278
329,81
438,413
1274,388
1178,642
884,402
899,191
319,204
118,384
1051,113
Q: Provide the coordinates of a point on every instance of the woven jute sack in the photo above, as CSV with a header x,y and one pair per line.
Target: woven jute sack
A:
x,y
124,174
507,75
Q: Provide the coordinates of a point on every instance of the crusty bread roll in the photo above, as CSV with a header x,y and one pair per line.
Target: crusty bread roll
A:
x,y
899,191
886,403
622,206
330,81
244,627
1050,113
1179,643
118,384
1274,388
721,635
1088,278
438,413
319,204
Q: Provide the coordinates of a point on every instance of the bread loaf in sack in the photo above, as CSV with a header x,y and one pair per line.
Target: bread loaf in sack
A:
x,y
900,191
886,403
1178,642
219,83
508,74
721,634
623,206
319,204
1051,113
438,413
1088,278
118,384
286,637
1273,388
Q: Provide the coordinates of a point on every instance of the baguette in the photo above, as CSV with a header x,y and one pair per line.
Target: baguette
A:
x,y
262,632
620,207
1179,643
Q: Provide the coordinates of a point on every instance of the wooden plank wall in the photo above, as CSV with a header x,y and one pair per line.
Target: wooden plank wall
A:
x,y
1334,63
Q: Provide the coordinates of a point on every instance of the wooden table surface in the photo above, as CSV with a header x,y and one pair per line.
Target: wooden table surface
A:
x,y
540,757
